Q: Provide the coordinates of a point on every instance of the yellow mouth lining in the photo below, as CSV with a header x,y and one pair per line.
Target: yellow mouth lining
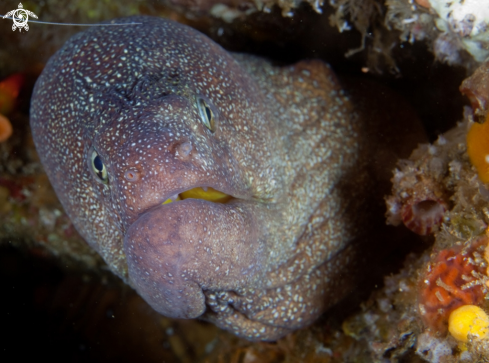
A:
x,y
208,193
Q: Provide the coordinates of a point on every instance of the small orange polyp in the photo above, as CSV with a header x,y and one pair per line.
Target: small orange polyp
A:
x,y
5,128
9,91
478,149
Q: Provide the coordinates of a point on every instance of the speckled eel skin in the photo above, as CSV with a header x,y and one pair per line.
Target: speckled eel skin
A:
x,y
218,185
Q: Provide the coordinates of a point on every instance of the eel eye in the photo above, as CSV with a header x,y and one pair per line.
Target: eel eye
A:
x,y
206,114
99,168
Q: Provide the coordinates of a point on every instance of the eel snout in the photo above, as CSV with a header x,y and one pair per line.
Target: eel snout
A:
x,y
178,250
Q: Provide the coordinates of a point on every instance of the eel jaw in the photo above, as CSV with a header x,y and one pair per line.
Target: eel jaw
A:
x,y
175,252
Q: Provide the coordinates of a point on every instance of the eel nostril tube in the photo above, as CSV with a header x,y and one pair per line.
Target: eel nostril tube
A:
x,y
184,149
131,175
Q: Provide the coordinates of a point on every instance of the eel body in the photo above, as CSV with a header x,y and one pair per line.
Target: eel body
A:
x,y
218,185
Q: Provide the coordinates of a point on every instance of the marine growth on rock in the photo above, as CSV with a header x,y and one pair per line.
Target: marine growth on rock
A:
x,y
455,278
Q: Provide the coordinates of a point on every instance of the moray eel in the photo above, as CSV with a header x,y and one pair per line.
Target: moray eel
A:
x,y
218,185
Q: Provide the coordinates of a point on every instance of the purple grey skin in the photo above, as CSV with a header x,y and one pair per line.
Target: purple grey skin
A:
x,y
125,118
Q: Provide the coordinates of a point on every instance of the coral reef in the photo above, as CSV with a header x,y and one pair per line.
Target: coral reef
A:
x,y
476,88
437,305
454,31
389,326
385,28
455,278
466,23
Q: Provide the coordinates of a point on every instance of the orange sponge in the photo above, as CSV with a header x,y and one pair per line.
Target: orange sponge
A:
x,y
5,128
478,149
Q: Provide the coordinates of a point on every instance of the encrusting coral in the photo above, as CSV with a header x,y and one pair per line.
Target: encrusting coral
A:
x,y
455,278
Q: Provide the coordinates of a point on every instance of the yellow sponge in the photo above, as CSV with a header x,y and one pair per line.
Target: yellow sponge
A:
x,y
468,319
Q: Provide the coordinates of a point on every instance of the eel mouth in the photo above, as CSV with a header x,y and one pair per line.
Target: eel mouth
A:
x,y
208,242
203,193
